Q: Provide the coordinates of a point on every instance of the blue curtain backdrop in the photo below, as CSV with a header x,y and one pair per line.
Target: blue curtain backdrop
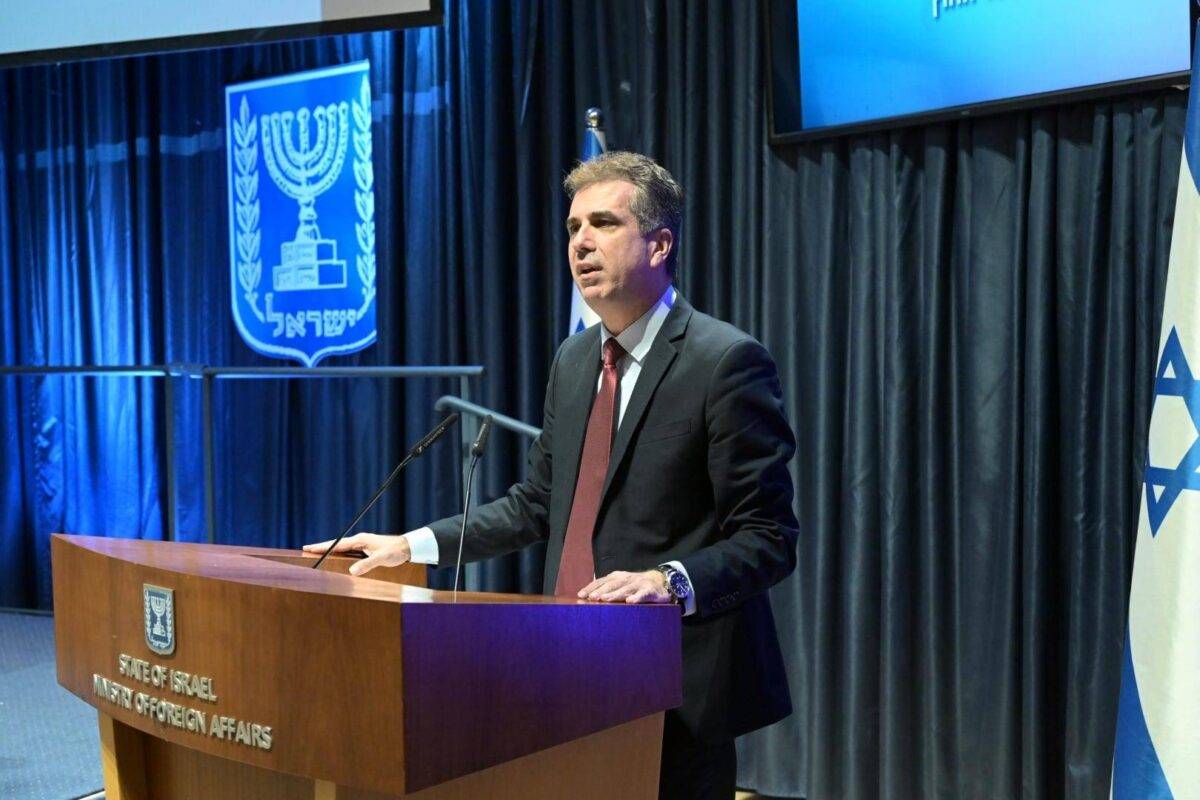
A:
x,y
114,250
964,315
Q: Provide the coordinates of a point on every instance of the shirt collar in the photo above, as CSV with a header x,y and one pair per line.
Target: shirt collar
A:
x,y
638,337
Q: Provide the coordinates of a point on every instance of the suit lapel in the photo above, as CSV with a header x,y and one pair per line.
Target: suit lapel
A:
x,y
658,360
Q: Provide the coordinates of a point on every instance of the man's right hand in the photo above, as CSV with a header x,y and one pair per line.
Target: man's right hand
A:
x,y
382,551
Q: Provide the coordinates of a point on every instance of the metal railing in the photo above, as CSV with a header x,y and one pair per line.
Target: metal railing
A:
x,y
209,375
450,403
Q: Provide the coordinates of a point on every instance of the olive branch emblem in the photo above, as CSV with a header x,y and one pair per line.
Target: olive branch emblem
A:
x,y
247,209
364,197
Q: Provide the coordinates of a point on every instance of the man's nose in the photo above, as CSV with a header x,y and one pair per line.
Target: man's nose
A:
x,y
581,242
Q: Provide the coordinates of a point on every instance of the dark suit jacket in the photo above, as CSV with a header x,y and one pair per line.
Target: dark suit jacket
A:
x,y
698,474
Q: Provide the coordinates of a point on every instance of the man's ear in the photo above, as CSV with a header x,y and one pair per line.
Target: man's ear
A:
x,y
661,242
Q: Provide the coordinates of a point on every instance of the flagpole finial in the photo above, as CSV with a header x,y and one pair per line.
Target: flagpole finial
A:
x,y
595,117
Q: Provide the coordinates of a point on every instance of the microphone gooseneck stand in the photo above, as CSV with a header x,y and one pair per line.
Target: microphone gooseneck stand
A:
x,y
476,454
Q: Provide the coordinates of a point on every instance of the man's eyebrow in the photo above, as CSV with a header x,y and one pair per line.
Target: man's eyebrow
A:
x,y
601,214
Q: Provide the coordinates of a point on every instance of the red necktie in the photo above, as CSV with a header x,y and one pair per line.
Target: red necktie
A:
x,y
577,569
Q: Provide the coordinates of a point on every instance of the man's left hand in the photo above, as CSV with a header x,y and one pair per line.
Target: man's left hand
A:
x,y
629,587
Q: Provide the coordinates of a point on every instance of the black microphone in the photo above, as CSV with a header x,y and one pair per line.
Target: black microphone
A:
x,y
476,454
418,449
481,439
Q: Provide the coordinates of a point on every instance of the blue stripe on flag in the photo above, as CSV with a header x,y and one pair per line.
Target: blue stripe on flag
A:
x,y
1137,773
1191,135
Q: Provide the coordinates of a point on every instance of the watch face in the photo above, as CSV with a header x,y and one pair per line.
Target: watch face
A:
x,y
677,584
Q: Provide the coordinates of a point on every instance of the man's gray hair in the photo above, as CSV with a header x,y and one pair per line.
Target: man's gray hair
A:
x,y
657,199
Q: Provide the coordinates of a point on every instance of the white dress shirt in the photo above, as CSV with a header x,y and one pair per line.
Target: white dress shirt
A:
x,y
636,341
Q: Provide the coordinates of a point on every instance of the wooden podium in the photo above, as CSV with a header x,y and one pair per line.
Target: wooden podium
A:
x,y
224,671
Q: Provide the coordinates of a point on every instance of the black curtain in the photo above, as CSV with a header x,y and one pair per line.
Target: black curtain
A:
x,y
964,316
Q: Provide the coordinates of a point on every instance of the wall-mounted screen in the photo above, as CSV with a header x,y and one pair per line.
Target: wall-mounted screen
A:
x,y
48,31
842,65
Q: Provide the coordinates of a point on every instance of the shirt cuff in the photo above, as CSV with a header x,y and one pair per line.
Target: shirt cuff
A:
x,y
689,602
423,546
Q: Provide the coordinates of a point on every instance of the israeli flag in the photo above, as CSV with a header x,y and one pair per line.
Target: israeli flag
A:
x,y
1158,722
593,145
302,203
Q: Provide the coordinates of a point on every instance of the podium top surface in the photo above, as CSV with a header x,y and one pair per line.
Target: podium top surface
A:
x,y
291,569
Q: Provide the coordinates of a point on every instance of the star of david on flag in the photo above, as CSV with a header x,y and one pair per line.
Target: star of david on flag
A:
x,y
1157,753
1165,484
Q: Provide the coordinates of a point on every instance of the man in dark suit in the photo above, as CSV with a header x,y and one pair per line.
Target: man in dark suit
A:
x,y
660,475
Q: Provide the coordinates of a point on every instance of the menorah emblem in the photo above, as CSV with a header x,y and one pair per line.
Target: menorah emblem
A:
x,y
304,168
158,612
158,605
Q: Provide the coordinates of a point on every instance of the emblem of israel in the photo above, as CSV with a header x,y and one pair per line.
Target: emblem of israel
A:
x,y
158,613
310,217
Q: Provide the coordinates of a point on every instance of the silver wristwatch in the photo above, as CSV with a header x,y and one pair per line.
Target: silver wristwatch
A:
x,y
678,585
